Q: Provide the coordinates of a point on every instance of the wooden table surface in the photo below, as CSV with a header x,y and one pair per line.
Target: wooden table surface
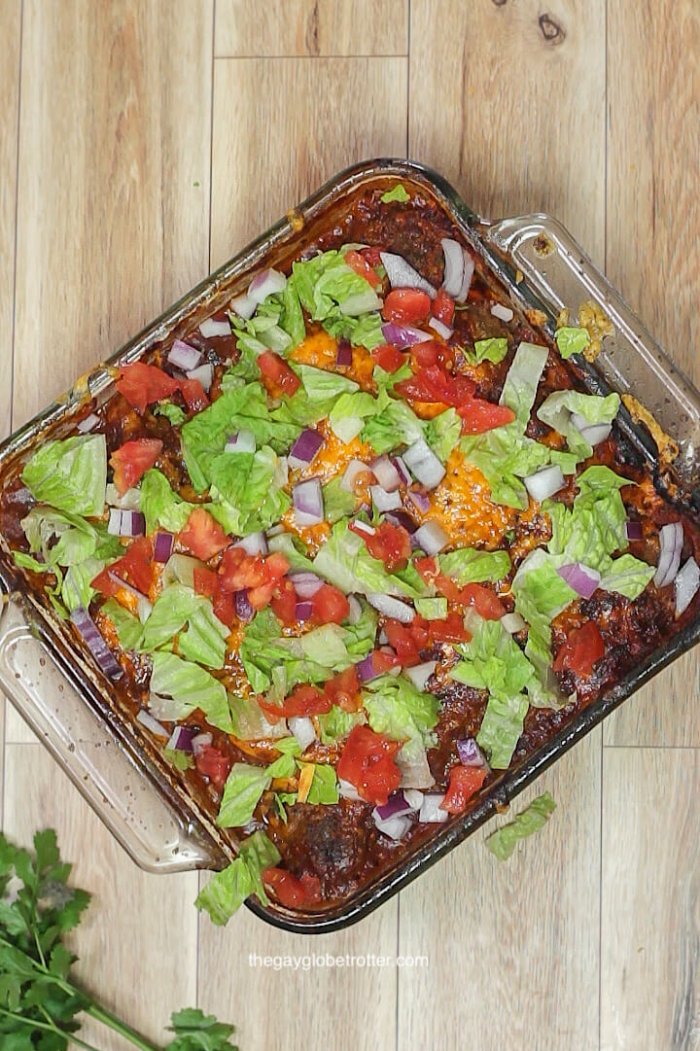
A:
x,y
142,144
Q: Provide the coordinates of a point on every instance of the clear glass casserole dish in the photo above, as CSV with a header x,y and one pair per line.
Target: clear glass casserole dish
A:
x,y
69,704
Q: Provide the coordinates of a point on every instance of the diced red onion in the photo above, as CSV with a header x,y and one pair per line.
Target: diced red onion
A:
x,y
306,584
244,610
242,442
687,583
403,336
467,278
348,791
402,275
582,579
384,501
343,358
394,827
355,613
363,527
454,266
253,544
402,469
360,303
392,607
183,356
414,797
304,611
95,643
200,742
211,328
502,312
126,523
469,752
365,669
403,519
89,423
512,623
633,530
308,502
266,283
419,499
305,448
545,482
386,474
395,804
420,673
303,729
181,739
147,720
671,538
430,812
443,330
424,464
204,374
244,306
431,538
163,546
352,472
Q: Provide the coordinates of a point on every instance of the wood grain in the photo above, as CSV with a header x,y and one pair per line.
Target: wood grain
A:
x,y
301,117
651,900
654,254
139,937
311,27
513,946
509,104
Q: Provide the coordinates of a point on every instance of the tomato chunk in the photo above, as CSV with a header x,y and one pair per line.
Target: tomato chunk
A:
x,y
284,603
194,395
582,648
368,763
451,629
362,266
443,308
479,415
406,306
212,763
329,605
388,357
303,700
135,567
290,890
432,353
203,535
402,640
344,690
143,384
390,543
131,461
277,376
464,782
434,383
205,581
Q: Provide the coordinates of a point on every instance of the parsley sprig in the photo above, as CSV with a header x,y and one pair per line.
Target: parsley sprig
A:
x,y
39,1001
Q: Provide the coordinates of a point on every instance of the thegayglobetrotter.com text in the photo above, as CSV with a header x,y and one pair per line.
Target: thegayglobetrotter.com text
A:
x,y
328,960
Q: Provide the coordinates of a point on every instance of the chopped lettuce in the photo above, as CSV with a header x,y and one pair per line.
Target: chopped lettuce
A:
x,y
76,587
70,475
400,711
205,638
540,596
249,722
443,432
557,410
466,565
227,890
387,380
190,687
595,527
628,576
345,561
572,340
504,840
348,415
396,193
293,549
494,350
501,728
127,626
285,765
431,608
338,723
322,384
325,285
324,784
245,491
394,424
161,506
337,502
173,413
176,607
242,793
523,379
65,539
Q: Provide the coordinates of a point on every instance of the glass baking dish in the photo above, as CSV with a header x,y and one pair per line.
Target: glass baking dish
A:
x,y
70,706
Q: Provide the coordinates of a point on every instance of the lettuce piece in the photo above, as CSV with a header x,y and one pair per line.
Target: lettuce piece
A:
x,y
322,384
431,608
540,596
522,381
595,527
557,409
293,550
349,413
245,370
302,411
337,723
128,627
466,565
324,283
396,708
246,498
396,193
324,785
190,687
362,331
394,424
345,562
292,319
171,611
205,638
571,341
249,722
285,765
64,539
492,660
173,413
162,508
387,380
71,475
505,455
628,576
494,350
443,432
504,840
227,890
76,587
337,502
501,728
242,793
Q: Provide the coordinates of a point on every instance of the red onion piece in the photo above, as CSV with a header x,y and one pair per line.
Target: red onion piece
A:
x,y
89,423
687,583
392,607
305,448
147,720
430,812
200,742
431,538
305,584
253,544
181,738
545,482
394,827
384,501
126,523
212,329
308,502
403,519
344,354
671,538
386,474
419,674
402,469
395,804
95,643
365,669
424,464
244,306
402,275
163,546
454,266
582,579
183,356
403,336
352,473
633,530
266,283
469,752
502,312
242,442
204,374
244,610
419,499
467,278
443,330
303,611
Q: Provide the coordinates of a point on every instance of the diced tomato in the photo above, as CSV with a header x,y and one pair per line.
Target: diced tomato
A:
x,y
384,662
205,581
239,570
329,605
430,352
143,384
404,643
105,584
582,648
224,606
303,700
284,602
368,763
194,395
464,782
131,461
435,384
372,255
203,535
443,308
276,374
135,567
290,890
361,265
451,629
406,306
390,543
428,568
482,599
212,763
276,566
388,357
479,415
344,690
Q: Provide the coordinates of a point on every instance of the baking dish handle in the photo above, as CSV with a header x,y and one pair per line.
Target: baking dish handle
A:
x,y
149,830
557,270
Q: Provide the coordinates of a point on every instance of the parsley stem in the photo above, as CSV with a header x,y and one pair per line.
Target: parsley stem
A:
x,y
49,1028
112,1022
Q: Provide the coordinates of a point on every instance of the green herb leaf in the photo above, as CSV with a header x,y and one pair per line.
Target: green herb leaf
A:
x,y
195,1031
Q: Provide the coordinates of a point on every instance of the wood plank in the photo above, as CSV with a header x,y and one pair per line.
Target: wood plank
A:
x,y
497,933
114,183
654,255
509,104
137,942
310,27
273,104
651,900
